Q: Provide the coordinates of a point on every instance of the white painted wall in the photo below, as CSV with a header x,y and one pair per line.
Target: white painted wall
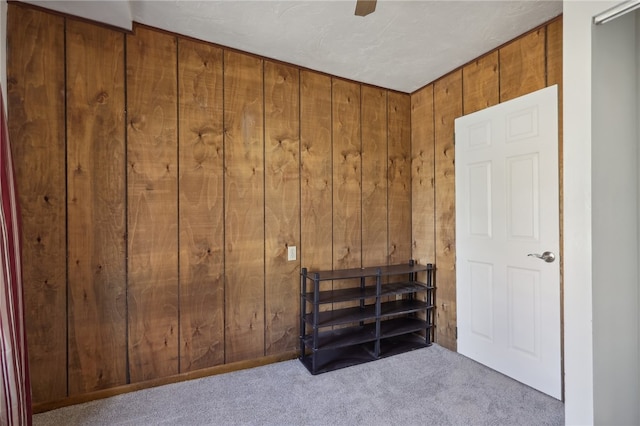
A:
x,y
614,182
600,219
638,159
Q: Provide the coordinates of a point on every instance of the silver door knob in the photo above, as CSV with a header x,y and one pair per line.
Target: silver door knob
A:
x,y
547,256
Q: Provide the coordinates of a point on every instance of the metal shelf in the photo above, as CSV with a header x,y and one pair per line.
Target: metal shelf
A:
x,y
345,336
404,288
343,295
368,312
343,274
341,337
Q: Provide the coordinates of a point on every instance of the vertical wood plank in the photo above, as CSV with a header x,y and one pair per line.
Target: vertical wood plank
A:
x,y
316,188
152,205
554,76
347,179
96,208
399,178
244,206
447,107
347,167
481,83
201,206
554,54
374,177
423,184
35,76
522,65
282,206
422,176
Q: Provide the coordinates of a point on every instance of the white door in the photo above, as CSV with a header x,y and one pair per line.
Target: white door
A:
x,y
508,302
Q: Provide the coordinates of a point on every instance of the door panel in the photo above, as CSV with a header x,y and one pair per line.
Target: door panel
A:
x,y
524,313
480,199
523,206
481,276
507,208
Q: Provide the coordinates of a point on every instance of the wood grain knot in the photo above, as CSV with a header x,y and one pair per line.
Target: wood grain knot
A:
x,y
102,97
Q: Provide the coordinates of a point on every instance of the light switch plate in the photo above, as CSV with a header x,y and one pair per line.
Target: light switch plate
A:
x,y
291,253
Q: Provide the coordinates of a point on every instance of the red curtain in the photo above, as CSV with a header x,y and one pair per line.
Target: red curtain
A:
x,y
15,391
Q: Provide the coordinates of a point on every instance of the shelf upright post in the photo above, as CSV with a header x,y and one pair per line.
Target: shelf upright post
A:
x,y
316,306
378,311
303,310
413,276
362,286
430,304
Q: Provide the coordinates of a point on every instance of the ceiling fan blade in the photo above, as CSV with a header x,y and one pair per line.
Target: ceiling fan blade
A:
x,y
365,7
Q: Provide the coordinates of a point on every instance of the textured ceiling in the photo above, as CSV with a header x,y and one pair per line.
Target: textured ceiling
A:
x,y
403,45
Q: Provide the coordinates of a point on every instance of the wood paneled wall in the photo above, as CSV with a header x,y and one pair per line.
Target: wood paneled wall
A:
x,y
162,180
524,65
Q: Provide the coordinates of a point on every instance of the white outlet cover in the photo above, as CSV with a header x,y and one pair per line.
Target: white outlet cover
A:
x,y
291,254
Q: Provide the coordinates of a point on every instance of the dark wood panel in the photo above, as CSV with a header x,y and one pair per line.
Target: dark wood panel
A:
x,y
201,206
481,83
522,65
35,77
316,189
347,166
282,206
399,169
422,176
96,234
374,177
152,204
447,107
244,207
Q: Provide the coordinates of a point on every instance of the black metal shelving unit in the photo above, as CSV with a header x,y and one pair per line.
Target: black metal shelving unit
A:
x,y
390,317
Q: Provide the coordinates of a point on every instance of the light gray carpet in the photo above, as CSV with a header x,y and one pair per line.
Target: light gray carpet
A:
x,y
426,386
